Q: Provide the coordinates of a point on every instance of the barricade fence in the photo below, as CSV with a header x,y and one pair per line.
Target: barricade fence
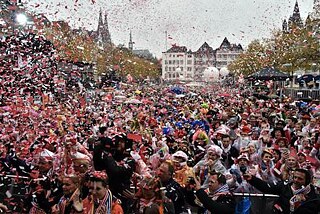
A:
x,y
14,190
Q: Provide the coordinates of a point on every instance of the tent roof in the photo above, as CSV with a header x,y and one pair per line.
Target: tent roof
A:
x,y
269,74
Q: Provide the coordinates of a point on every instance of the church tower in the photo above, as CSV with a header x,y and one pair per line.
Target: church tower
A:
x,y
284,26
295,20
103,37
99,36
315,14
107,35
130,42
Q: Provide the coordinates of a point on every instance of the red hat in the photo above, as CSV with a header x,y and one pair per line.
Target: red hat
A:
x,y
242,156
246,130
268,150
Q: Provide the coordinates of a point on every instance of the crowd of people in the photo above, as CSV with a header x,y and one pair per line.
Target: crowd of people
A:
x,y
143,148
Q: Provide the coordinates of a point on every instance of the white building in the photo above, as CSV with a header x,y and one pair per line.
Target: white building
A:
x,y
177,62
227,53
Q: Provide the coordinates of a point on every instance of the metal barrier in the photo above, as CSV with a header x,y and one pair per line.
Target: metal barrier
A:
x,y
299,93
260,203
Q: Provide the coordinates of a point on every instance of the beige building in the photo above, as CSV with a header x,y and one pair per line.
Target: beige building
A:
x,y
227,53
177,63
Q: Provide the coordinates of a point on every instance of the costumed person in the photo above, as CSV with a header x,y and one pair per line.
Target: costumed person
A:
x,y
100,199
211,162
266,165
234,176
150,197
45,188
181,170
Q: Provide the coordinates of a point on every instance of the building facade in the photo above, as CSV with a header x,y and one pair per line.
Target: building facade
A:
x,y
204,57
177,63
227,53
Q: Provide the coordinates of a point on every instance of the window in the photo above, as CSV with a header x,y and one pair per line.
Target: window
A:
x,y
181,62
177,61
181,68
166,68
169,75
169,68
173,55
173,69
189,62
173,75
169,62
173,61
165,62
189,68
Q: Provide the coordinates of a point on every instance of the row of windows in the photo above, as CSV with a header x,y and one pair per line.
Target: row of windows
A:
x,y
227,55
176,75
178,62
179,55
174,69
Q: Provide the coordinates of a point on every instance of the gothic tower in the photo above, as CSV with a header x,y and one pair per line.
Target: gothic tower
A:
x,y
284,26
130,42
107,35
315,14
99,36
103,37
295,20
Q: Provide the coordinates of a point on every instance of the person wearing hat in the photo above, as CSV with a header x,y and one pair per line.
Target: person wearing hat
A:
x,y
210,162
100,200
235,174
181,170
43,186
243,140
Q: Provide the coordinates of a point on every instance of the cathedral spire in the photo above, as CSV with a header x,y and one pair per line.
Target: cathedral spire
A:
x,y
106,30
296,11
130,42
295,20
100,23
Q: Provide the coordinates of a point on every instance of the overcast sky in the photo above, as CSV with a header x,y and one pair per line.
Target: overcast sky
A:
x,y
188,22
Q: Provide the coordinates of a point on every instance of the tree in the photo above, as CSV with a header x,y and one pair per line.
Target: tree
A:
x,y
298,48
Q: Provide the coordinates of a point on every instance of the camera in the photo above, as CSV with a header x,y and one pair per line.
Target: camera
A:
x,y
191,180
243,169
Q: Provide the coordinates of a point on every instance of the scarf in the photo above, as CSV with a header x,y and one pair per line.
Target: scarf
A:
x,y
223,190
296,200
64,202
104,206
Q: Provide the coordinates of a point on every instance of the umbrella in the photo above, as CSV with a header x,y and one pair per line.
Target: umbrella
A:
x,y
305,78
133,101
177,90
119,97
180,95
